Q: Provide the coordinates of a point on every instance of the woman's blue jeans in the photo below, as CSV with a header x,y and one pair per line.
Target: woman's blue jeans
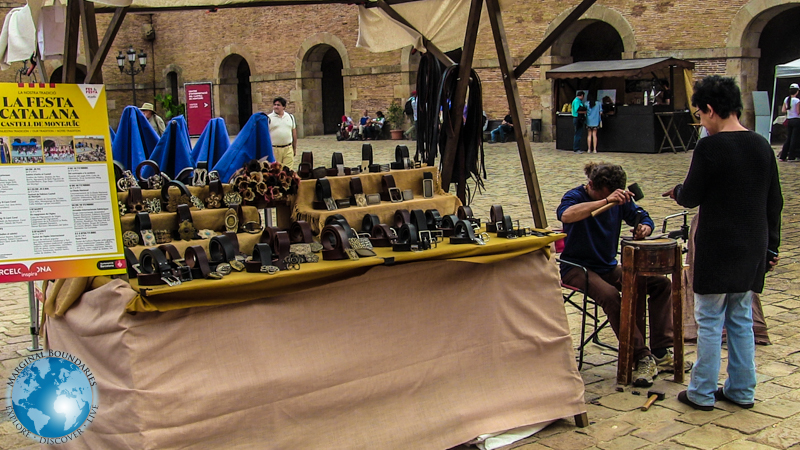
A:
x,y
734,312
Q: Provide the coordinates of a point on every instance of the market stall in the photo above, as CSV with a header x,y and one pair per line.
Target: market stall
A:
x,y
642,121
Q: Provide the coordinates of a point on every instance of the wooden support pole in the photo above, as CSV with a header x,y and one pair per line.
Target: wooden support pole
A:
x,y
71,29
89,26
517,114
464,70
428,44
95,68
551,38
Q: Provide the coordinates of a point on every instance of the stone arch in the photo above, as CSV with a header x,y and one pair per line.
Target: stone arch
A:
x,y
234,90
409,64
169,88
219,90
308,95
751,18
563,45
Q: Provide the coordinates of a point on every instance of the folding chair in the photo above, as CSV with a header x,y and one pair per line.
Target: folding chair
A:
x,y
584,308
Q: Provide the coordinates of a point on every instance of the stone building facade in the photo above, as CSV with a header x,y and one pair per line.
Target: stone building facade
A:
x,y
309,56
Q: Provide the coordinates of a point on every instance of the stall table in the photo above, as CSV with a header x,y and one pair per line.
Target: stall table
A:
x,y
432,351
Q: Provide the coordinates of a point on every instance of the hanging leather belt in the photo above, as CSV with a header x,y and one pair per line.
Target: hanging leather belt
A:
x,y
183,198
334,242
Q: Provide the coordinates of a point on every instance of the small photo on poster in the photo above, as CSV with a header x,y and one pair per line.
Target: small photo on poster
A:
x,y
58,149
90,148
26,150
5,150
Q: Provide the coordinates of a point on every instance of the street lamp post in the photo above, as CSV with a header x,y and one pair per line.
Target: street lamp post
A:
x,y
130,55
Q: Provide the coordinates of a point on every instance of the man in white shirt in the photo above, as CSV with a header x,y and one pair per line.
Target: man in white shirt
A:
x,y
283,132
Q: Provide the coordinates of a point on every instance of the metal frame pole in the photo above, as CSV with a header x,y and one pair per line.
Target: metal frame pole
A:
x,y
34,308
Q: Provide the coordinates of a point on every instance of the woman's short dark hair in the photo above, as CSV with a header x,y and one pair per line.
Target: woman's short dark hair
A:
x,y
792,91
721,93
379,113
280,99
602,175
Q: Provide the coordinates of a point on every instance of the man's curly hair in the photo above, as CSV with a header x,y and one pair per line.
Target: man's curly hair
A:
x,y
602,175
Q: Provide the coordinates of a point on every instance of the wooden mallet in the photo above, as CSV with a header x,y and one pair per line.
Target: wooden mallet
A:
x,y
633,188
652,397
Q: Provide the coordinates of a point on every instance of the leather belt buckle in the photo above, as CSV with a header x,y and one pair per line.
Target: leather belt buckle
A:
x,y
437,235
373,199
385,168
408,194
361,199
170,279
426,238
395,195
137,268
270,270
183,272
330,204
482,239
342,203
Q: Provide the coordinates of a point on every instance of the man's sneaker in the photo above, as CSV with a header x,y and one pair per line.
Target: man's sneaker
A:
x,y
665,364
646,370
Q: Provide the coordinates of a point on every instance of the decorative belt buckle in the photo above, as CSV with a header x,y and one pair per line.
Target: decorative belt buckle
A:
x,y
184,272
137,268
127,181
223,269
293,261
408,194
148,238
361,199
316,247
330,204
437,235
352,254
482,238
236,265
200,177
171,280
152,205
270,270
395,195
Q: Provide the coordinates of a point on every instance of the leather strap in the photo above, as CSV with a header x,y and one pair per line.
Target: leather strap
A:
x,y
268,235
382,236
221,249
147,163
307,157
373,199
131,263
185,175
323,189
337,159
154,267
300,232
281,245
177,264
388,186
142,222
448,224
215,187
234,238
374,168
407,238
418,220
433,218
135,199
165,190
262,258
400,153
495,215
306,165
369,222
184,213
464,212
197,260
401,217
356,186
463,233
341,221
319,172
342,203
366,153
334,242
427,176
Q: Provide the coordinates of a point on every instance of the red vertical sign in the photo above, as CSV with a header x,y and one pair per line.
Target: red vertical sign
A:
x,y
198,106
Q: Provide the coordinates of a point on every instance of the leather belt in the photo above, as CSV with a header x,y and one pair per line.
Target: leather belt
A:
x,y
463,233
185,175
154,181
390,191
200,177
184,191
186,229
465,213
401,217
369,222
179,267
197,261
433,218
418,219
324,196
382,236
283,146
156,269
355,186
374,168
131,263
300,233
337,159
221,250
448,224
281,246
495,215
144,229
407,239
366,154
261,261
306,165
341,221
215,194
427,185
334,242
135,199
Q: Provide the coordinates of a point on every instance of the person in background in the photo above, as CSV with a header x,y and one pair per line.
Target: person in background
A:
x,y
593,109
283,132
733,178
374,126
608,107
664,96
506,127
791,106
592,242
578,121
362,124
411,133
154,119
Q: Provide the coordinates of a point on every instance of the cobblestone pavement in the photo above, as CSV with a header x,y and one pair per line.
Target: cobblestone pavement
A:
x,y
616,422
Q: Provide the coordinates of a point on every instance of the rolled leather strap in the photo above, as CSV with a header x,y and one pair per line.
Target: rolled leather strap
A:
x,y
495,215
155,268
179,267
334,242
448,224
281,245
300,232
119,170
262,258
401,217
355,186
319,172
197,261
268,235
173,183
369,222
433,218
400,153
464,212
184,213
337,159
131,263
366,153
463,233
147,163
342,203
185,175
341,221
382,236
387,187
234,238
142,222
506,227
221,250
308,158
323,189
407,238
418,219
135,199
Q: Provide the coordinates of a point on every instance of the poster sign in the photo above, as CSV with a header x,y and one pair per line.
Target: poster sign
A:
x,y
198,106
59,216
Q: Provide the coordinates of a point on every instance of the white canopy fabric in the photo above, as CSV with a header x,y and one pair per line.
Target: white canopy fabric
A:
x,y
790,69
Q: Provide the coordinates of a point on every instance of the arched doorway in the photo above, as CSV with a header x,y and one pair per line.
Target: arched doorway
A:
x,y
236,102
324,90
777,47
598,41
80,74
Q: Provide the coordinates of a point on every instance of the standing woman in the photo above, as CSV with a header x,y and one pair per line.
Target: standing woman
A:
x,y
791,106
593,108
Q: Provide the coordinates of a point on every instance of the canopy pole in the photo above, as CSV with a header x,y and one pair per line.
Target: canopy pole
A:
x,y
464,71
89,26
428,44
517,114
772,108
96,66
548,41
71,29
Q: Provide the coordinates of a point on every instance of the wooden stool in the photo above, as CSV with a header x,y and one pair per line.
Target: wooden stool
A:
x,y
641,259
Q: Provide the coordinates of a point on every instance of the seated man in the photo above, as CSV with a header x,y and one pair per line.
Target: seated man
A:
x,y
507,127
592,242
374,126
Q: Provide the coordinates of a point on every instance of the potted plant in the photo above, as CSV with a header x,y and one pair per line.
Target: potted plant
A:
x,y
395,119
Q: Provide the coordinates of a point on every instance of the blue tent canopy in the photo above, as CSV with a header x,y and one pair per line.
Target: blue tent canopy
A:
x,y
112,133
253,142
213,143
135,139
174,151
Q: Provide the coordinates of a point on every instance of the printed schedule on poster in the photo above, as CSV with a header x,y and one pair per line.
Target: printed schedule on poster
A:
x,y
58,208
